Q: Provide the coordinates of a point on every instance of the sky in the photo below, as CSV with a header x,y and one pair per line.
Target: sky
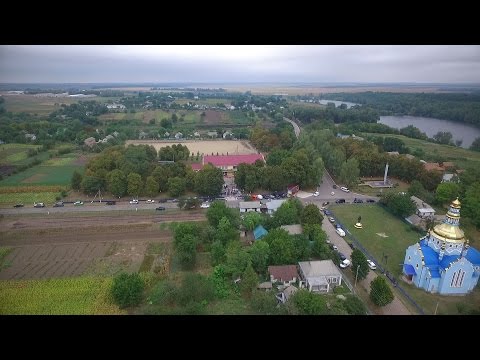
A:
x,y
239,63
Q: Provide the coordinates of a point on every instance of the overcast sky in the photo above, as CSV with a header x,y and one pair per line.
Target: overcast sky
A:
x,y
239,63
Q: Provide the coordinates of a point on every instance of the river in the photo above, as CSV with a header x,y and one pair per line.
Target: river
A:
x,y
431,126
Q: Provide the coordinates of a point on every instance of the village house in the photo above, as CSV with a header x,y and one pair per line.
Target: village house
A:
x,y
423,209
285,274
320,276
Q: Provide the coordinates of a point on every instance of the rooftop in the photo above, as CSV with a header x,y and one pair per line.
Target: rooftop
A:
x,y
283,272
249,204
319,268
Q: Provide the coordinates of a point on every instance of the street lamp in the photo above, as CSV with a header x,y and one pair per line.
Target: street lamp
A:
x,y
356,276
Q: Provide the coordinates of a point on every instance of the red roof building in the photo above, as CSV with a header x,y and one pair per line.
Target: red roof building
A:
x,y
286,274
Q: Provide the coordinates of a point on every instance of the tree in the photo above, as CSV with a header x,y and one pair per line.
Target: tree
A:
x,y
76,180
259,253
317,171
287,214
195,289
176,186
117,183
209,181
264,302
127,289
251,220
354,305
359,260
135,184
475,144
249,281
307,303
185,243
399,204
225,231
349,172
282,248
311,215
217,253
380,292
471,203
151,186
218,210
237,259
443,137
91,184
447,192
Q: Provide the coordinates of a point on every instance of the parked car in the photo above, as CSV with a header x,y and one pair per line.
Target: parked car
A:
x,y
18,205
160,208
334,247
150,201
370,201
371,265
342,256
331,219
316,193
205,206
345,263
78,202
325,203
334,186
59,204
38,205
351,245
340,201
327,212
340,232
343,188
111,202
134,201
357,201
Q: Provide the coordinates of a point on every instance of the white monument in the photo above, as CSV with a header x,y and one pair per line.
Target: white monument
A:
x,y
385,176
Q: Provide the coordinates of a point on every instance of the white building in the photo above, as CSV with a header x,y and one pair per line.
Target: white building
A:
x,y
320,276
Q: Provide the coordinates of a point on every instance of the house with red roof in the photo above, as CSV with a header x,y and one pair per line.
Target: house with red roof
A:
x,y
229,163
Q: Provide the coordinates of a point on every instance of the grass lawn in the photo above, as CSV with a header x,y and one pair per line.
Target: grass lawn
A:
x,y
43,175
12,154
375,221
69,296
28,198
461,157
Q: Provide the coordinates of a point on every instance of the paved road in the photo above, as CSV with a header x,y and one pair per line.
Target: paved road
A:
x,y
296,128
396,307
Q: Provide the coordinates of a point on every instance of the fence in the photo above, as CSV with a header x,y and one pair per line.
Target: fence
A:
x,y
383,270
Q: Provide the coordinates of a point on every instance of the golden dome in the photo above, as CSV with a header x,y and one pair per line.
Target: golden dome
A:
x,y
448,233
456,204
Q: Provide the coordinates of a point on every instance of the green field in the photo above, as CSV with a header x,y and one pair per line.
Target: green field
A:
x,y
44,105
42,175
28,198
14,154
71,296
375,221
461,157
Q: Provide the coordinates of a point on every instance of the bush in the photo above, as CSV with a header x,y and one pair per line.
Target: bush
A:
x,y
127,289
195,288
164,293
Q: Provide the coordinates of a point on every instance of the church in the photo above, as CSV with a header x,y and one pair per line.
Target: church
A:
x,y
442,261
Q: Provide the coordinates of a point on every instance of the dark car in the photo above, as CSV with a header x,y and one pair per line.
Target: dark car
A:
x,y
342,257
351,245
58,204
334,186
327,212
160,208
325,203
340,201
18,205
111,202
357,201
370,201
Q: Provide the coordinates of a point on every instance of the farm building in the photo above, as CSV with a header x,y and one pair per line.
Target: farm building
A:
x,y
229,163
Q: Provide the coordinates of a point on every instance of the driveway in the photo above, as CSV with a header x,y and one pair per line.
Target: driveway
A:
x,y
396,307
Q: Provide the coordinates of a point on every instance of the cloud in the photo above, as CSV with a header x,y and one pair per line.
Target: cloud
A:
x,y
240,63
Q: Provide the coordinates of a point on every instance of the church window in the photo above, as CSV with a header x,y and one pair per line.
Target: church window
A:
x,y
409,257
416,266
460,279
454,279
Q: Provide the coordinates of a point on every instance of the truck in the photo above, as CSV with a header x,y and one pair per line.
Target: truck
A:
x,y
292,190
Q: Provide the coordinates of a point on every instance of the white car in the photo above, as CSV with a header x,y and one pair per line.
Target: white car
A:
x,y
345,263
150,201
343,188
134,201
334,247
340,232
205,206
332,193
316,193
371,265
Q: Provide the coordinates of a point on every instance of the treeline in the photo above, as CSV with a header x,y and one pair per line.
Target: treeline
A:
x,y
281,136
338,115
134,170
463,107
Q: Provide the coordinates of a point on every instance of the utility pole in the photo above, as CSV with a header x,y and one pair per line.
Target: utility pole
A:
x,y
356,276
436,308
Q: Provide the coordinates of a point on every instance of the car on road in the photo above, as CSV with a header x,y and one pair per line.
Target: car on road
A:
x,y
340,201
340,231
18,205
345,263
334,247
334,186
325,203
370,201
331,219
205,206
134,201
371,265
160,208
316,193
150,201
343,188
59,204
38,205
342,256
327,212
78,202
111,202
357,201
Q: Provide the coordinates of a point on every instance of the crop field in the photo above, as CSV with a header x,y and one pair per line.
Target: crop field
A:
x,y
28,198
202,146
72,296
42,175
12,154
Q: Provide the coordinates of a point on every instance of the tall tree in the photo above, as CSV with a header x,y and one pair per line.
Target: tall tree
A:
x,y
249,281
307,303
380,292
447,192
117,183
225,231
151,186
311,215
259,253
135,184
218,210
76,180
475,144
209,181
350,172
251,220
185,242
176,186
471,203
359,265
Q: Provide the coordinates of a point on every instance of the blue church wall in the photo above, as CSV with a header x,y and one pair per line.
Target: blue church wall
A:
x,y
457,278
413,257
